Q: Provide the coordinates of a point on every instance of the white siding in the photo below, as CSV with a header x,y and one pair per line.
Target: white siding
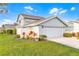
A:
x,y
34,29
52,32
20,21
28,21
56,29
76,27
53,28
70,27
27,30
53,22
20,31
23,22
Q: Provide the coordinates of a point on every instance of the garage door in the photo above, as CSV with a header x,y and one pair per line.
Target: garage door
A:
x,y
52,32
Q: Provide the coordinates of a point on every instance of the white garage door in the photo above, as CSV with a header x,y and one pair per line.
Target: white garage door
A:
x,y
52,32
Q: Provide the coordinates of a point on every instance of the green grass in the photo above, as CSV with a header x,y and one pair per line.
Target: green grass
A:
x,y
9,46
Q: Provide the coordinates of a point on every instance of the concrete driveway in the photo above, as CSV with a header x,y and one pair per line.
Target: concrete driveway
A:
x,y
72,42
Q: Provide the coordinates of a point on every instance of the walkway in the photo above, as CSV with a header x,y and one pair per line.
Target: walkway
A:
x,y
72,42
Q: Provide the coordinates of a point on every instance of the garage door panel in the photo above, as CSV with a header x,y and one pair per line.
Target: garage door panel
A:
x,y
52,32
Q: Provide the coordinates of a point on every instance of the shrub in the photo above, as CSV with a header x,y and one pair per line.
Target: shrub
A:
x,y
14,31
42,37
67,34
4,31
9,31
77,33
77,37
1,32
17,36
23,35
29,38
74,34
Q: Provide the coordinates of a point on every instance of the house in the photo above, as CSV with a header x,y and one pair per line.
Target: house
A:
x,y
9,26
1,30
51,27
73,26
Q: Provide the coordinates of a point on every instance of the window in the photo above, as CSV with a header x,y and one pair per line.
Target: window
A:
x,y
19,21
42,26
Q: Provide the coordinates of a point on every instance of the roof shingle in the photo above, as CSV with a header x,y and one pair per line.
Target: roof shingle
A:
x,y
32,17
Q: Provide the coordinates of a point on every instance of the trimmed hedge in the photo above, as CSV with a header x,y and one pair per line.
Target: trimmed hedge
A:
x,y
77,35
29,38
9,31
67,34
42,37
17,36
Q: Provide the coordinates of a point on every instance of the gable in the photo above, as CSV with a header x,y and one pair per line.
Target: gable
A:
x,y
23,19
54,22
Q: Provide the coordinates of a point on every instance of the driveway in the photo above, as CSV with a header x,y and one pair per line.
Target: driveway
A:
x,y
72,42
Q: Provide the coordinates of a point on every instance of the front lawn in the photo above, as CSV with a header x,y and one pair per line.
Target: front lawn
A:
x,y
9,46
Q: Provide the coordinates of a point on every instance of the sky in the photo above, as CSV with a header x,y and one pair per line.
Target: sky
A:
x,y
65,11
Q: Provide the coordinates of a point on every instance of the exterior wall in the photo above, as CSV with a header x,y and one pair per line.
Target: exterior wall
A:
x,y
11,27
34,29
20,31
52,32
55,28
1,29
28,21
73,27
23,22
53,22
70,27
76,27
20,21
52,28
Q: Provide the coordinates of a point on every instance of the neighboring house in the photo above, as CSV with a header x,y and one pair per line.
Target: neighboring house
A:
x,y
9,26
51,27
1,30
73,26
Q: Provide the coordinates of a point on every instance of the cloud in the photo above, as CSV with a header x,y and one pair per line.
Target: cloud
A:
x,y
73,8
35,10
54,11
6,21
63,11
28,7
57,11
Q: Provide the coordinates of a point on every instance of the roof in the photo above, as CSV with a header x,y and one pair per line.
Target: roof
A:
x,y
26,16
9,25
73,22
42,21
